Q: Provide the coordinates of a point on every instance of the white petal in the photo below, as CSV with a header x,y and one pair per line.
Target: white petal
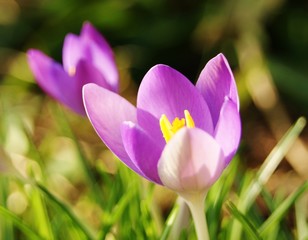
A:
x,y
191,161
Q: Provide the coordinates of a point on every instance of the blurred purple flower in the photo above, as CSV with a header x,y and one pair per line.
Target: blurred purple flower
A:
x,y
187,154
86,59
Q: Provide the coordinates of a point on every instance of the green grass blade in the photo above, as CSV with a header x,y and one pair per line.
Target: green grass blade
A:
x,y
271,163
271,204
21,225
217,196
169,222
66,210
39,210
247,225
247,198
119,208
278,214
6,226
92,182
40,214
300,215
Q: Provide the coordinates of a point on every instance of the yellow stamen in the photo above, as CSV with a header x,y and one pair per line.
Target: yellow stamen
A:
x,y
165,127
177,124
71,71
189,120
168,129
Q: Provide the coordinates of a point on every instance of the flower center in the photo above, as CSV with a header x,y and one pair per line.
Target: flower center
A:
x,y
71,71
168,129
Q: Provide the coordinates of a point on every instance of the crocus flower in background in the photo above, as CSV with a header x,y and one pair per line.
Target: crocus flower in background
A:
x,y
86,58
180,135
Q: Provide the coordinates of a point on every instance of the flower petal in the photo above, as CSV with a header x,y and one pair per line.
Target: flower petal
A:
x,y
142,150
150,124
228,129
87,73
215,82
94,49
73,50
101,54
107,111
54,80
191,161
89,32
164,90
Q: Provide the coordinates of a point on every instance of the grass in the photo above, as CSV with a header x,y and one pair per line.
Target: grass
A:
x,y
68,186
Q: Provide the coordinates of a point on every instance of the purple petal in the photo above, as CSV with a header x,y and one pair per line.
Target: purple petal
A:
x,y
87,73
228,129
191,161
89,32
150,124
55,81
142,150
107,111
164,90
73,51
94,49
215,82
101,54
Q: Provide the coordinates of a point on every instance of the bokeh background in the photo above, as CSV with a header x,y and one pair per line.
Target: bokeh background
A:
x,y
265,42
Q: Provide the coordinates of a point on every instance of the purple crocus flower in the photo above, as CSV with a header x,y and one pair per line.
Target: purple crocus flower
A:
x,y
179,135
86,58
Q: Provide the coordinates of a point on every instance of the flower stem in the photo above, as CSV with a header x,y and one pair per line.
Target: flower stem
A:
x,y
195,202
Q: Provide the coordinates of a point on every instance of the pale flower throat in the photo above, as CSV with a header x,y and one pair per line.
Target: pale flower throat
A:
x,y
169,129
71,71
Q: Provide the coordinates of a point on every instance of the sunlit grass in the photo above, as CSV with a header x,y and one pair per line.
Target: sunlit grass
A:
x,y
58,184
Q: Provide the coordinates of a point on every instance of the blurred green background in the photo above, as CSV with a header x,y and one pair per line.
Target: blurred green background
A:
x,y
265,42
183,34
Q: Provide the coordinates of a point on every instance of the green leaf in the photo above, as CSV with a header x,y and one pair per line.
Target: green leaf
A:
x,y
40,214
115,213
170,221
247,225
65,210
84,162
21,225
247,198
217,196
278,214
271,163
300,215
6,226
